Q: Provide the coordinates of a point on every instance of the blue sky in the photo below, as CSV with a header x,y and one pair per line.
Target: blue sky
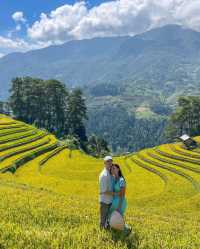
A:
x,y
31,9
33,24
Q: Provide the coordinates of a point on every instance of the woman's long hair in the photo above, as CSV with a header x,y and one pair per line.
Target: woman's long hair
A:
x,y
120,172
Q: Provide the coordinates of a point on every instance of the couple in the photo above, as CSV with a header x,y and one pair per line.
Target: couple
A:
x,y
112,192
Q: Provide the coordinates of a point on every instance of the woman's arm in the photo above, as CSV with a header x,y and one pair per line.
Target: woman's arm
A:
x,y
121,193
111,193
121,196
108,193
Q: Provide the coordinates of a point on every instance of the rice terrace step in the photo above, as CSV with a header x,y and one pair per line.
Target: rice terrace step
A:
x,y
159,182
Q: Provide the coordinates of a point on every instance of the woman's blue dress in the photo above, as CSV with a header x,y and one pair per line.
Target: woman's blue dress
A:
x,y
117,185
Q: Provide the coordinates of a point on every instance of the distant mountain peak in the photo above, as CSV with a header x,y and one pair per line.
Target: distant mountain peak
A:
x,y
155,58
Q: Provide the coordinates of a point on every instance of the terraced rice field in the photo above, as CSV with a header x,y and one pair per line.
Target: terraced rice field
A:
x,y
49,195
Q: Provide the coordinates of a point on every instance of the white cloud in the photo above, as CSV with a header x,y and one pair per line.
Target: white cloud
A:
x,y
12,45
58,25
18,27
188,13
126,17
113,18
1,55
18,17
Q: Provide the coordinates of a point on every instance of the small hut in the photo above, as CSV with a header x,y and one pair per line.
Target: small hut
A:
x,y
188,142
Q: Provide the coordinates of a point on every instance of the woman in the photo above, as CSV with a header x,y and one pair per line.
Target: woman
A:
x,y
119,187
119,200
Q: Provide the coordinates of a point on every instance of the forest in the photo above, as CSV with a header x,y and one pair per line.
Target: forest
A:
x,y
50,105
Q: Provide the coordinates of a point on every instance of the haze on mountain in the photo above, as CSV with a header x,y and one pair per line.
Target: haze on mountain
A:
x,y
163,61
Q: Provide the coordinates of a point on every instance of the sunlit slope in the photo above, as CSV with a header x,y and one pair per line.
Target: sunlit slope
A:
x,y
51,200
20,143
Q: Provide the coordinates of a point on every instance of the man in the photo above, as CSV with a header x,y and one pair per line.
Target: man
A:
x,y
105,184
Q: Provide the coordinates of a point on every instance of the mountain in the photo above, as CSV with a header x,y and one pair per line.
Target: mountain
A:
x,y
71,62
163,61
131,83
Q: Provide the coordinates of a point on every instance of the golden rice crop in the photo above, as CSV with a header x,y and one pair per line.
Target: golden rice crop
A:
x,y
56,205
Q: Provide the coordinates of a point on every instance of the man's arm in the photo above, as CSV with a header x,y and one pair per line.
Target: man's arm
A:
x,y
106,187
103,184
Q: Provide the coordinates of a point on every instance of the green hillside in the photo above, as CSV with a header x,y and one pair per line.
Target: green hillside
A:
x,y
137,77
51,200
163,61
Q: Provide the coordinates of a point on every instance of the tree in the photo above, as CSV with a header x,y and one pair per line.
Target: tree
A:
x,y
40,102
77,114
123,131
97,146
56,106
17,99
186,118
71,142
47,104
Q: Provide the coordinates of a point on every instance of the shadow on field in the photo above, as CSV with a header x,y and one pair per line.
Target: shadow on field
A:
x,y
131,241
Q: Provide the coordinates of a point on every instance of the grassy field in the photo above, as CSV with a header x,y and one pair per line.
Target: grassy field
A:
x,y
49,196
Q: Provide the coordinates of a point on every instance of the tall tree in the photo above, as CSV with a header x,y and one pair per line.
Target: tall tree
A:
x,y
77,114
17,100
56,106
186,118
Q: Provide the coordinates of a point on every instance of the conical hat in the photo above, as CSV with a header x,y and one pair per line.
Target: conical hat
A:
x,y
117,221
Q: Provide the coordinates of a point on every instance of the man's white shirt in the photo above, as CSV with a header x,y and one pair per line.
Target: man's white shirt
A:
x,y
105,184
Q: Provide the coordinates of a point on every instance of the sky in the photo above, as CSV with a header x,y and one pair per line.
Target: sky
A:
x,y
33,24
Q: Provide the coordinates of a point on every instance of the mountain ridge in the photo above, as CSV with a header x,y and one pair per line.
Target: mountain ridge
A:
x,y
154,59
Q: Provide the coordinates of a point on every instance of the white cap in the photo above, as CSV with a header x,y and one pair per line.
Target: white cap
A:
x,y
107,158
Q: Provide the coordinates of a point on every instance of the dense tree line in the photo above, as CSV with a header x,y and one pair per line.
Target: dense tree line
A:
x,y
160,108
41,102
123,131
186,118
45,103
49,104
105,89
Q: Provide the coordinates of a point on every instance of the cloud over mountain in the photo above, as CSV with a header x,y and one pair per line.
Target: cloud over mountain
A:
x,y
112,18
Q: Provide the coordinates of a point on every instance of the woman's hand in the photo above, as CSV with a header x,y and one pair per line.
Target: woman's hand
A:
x,y
108,193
